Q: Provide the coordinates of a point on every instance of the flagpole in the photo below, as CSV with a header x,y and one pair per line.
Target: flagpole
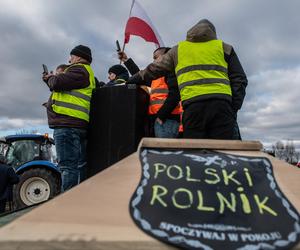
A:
x,y
123,48
131,7
124,44
132,3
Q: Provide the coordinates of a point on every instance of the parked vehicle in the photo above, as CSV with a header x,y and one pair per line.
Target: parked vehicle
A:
x,y
32,158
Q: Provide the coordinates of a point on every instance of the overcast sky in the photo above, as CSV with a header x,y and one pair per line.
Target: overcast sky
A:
x,y
265,35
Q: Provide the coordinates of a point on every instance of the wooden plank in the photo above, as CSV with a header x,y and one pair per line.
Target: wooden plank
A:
x,y
201,144
95,214
80,245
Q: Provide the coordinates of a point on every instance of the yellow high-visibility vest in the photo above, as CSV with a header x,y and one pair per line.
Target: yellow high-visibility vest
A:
x,y
202,69
75,103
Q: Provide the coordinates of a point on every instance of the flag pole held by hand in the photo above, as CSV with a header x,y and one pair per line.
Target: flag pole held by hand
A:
x,y
119,48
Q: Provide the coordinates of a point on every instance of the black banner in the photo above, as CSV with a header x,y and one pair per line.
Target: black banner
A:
x,y
198,199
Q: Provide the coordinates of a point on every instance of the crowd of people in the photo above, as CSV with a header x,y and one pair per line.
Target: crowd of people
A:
x,y
197,88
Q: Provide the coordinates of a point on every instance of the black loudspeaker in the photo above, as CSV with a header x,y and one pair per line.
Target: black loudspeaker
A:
x,y
118,118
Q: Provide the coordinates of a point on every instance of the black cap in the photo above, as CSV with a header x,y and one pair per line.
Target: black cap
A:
x,y
83,52
117,69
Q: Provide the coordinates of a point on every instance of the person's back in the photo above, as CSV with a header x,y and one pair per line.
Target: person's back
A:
x,y
204,84
211,82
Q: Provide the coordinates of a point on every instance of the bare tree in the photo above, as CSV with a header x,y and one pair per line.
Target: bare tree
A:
x,y
290,151
279,150
297,156
286,152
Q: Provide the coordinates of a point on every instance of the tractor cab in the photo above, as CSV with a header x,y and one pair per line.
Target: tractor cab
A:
x,y
25,148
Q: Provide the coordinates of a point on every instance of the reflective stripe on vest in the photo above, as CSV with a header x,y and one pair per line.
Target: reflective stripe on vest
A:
x,y
78,94
158,96
159,91
202,69
75,103
153,102
71,106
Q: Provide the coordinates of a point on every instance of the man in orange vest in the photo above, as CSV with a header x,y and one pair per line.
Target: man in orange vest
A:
x,y
164,108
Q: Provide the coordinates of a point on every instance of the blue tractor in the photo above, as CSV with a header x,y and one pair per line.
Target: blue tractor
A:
x,y
33,158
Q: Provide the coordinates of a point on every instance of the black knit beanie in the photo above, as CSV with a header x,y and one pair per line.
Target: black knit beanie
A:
x,y
83,52
117,69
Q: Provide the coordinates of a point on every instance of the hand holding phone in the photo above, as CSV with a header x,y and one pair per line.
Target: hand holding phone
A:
x,y
45,69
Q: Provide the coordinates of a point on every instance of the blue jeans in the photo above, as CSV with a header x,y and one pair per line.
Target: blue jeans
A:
x,y
70,146
169,129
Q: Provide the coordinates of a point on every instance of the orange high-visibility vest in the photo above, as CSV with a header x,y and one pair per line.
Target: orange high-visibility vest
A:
x,y
158,96
180,129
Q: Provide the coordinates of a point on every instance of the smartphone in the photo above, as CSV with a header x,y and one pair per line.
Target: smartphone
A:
x,y
118,46
45,69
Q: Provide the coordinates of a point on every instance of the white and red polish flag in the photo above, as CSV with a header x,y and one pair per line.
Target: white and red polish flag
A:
x,y
139,24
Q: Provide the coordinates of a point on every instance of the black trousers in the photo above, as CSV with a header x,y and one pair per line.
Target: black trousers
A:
x,y
209,119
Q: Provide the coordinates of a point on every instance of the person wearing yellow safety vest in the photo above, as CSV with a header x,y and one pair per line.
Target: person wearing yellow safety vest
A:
x,y
164,108
211,82
68,114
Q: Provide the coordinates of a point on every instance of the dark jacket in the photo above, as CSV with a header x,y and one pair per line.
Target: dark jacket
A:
x,y
8,177
202,32
75,77
120,79
165,112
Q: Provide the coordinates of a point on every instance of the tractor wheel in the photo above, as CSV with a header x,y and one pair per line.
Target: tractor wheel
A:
x,y
36,185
